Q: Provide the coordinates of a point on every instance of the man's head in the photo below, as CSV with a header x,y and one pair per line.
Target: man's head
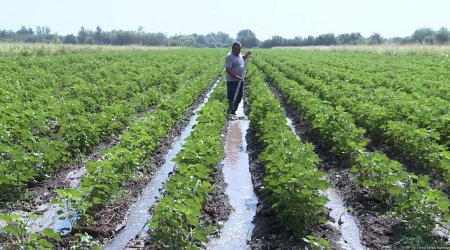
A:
x,y
236,48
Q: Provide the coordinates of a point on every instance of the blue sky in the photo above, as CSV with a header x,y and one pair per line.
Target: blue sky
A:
x,y
286,18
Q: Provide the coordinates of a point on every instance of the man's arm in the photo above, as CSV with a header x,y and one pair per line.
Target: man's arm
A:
x,y
247,55
231,73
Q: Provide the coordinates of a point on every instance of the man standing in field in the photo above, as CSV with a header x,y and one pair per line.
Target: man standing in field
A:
x,y
235,67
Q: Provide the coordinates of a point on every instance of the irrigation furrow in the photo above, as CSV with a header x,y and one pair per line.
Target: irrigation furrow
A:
x,y
284,175
70,107
51,217
330,127
341,220
138,213
344,223
191,202
239,226
389,125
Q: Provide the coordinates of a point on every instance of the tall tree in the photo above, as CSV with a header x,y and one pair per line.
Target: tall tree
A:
x,y
375,38
98,35
442,35
200,40
325,39
247,38
43,30
24,31
154,39
309,41
297,41
70,39
274,41
420,34
82,34
352,38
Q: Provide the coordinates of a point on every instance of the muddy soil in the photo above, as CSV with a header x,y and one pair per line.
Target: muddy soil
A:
x,y
377,229
269,231
217,208
111,218
376,232
437,181
40,193
215,211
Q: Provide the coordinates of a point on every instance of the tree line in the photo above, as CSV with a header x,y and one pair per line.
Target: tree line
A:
x,y
115,37
42,34
420,36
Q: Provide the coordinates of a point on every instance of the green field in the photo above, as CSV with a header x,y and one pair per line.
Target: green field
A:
x,y
382,112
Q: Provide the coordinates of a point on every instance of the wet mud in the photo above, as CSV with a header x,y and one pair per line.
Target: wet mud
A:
x,y
376,230
239,226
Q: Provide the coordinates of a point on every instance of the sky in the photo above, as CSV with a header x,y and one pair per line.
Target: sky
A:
x,y
285,18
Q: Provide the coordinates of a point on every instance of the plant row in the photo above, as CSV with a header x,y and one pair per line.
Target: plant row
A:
x,y
130,156
427,111
293,184
177,221
424,75
56,108
336,126
417,144
415,203
105,178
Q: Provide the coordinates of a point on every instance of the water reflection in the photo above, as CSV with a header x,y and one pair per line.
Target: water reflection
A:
x,y
139,213
237,230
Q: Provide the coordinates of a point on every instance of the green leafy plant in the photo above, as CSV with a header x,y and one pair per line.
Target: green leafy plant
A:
x,y
317,243
177,220
378,174
17,235
293,183
418,205
73,207
85,241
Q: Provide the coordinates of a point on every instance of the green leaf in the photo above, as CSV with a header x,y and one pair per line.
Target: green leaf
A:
x,y
34,216
193,220
446,218
96,200
51,234
200,234
423,181
368,183
443,204
96,247
6,218
45,244
395,190
10,229
34,236
416,196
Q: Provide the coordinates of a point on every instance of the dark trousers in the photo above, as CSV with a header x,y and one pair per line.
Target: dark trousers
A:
x,y
231,91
